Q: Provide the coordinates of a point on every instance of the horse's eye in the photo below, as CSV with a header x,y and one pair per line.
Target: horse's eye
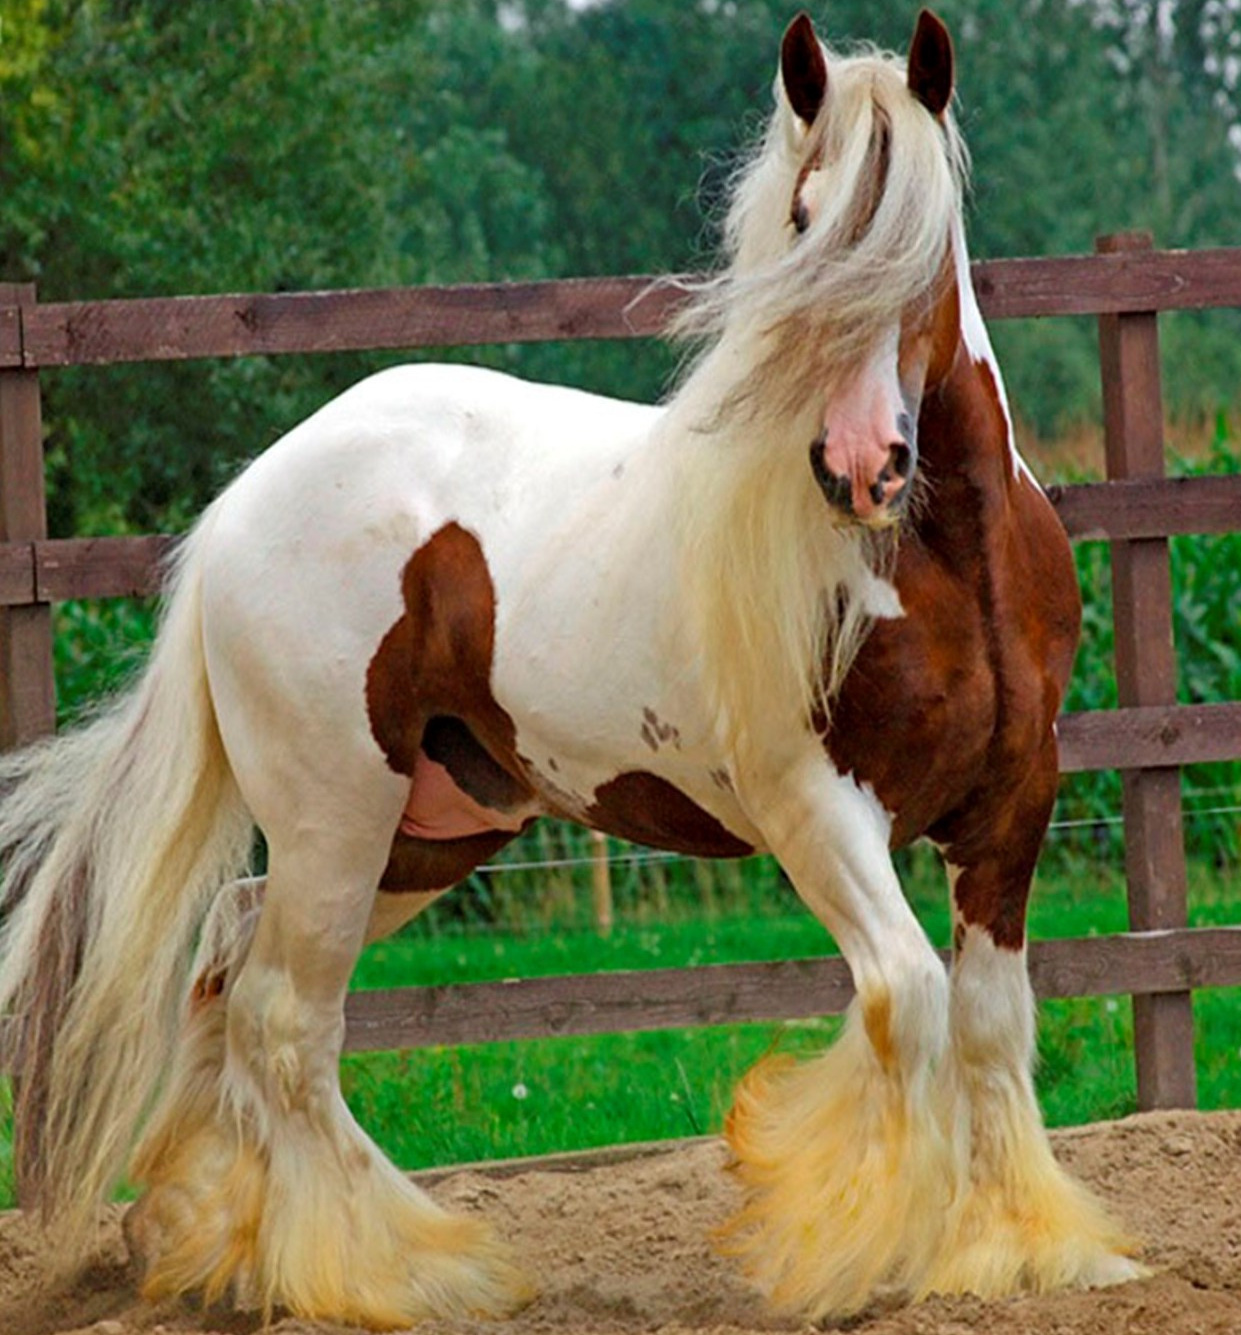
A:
x,y
800,216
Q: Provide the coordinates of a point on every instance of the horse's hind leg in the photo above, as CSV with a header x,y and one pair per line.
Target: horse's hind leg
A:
x,y
258,1178
1020,1223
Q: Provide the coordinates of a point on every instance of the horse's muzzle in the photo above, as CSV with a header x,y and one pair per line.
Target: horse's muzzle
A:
x,y
876,502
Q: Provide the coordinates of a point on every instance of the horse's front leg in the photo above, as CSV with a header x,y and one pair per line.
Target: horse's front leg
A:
x,y
1021,1222
848,1163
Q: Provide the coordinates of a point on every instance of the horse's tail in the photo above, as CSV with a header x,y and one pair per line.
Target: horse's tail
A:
x,y
114,838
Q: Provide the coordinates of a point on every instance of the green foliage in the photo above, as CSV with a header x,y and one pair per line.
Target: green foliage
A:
x,y
1206,597
149,148
97,649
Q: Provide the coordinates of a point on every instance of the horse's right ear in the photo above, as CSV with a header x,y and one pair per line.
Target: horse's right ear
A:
x,y
803,69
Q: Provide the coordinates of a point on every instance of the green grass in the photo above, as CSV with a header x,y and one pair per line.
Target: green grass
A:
x,y
450,1105
444,1105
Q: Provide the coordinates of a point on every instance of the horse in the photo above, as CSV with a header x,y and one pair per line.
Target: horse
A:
x,y
814,603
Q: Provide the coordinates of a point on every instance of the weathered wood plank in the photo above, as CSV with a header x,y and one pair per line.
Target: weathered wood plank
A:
x,y
128,567
1149,737
1138,508
1109,284
10,333
1144,964
598,1003
1148,963
27,689
1149,507
1146,669
175,328
16,574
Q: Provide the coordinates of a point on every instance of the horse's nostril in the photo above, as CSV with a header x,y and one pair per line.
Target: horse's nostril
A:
x,y
900,460
834,487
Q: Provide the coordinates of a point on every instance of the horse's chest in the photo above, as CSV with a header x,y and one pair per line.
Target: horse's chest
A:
x,y
918,712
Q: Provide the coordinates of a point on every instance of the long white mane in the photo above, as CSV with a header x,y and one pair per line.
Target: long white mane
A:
x,y
780,595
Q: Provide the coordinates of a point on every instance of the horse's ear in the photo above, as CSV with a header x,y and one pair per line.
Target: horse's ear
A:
x,y
803,69
930,63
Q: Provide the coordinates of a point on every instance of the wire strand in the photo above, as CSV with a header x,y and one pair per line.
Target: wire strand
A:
x,y
642,856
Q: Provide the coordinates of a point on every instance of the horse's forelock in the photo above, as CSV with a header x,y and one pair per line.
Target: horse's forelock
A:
x,y
814,310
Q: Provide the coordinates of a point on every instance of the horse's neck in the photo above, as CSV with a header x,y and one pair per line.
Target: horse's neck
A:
x,y
966,452
757,555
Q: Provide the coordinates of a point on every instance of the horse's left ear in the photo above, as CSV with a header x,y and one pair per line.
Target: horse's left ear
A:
x,y
930,63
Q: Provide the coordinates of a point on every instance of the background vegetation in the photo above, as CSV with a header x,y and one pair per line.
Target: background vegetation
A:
x,y
153,146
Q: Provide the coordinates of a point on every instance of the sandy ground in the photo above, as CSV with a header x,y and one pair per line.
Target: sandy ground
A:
x,y
623,1247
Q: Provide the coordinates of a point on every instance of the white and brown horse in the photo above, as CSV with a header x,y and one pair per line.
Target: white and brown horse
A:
x,y
815,604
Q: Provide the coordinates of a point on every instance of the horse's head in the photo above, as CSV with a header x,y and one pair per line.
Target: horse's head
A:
x,y
840,310
868,224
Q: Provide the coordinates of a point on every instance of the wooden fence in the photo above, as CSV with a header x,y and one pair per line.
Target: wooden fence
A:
x,y
1149,737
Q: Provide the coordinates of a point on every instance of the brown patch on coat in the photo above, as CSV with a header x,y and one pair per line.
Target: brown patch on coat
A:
x,y
650,810
449,742
948,712
996,844
656,733
436,864
429,683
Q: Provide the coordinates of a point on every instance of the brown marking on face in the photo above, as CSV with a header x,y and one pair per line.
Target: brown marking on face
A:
x,y
799,214
649,810
874,176
429,684
207,986
865,204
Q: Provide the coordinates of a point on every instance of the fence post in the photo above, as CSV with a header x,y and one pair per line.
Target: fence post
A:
x,y
601,882
27,690
1146,675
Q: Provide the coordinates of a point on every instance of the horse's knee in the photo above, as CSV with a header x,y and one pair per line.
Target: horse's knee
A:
x,y
992,1006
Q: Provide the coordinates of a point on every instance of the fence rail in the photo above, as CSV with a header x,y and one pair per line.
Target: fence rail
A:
x,y
96,333
1125,284
1141,963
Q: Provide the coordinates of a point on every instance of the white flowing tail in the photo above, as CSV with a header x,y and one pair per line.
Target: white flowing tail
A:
x,y
114,838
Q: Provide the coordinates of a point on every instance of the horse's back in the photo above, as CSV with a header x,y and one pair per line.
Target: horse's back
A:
x,y
348,496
